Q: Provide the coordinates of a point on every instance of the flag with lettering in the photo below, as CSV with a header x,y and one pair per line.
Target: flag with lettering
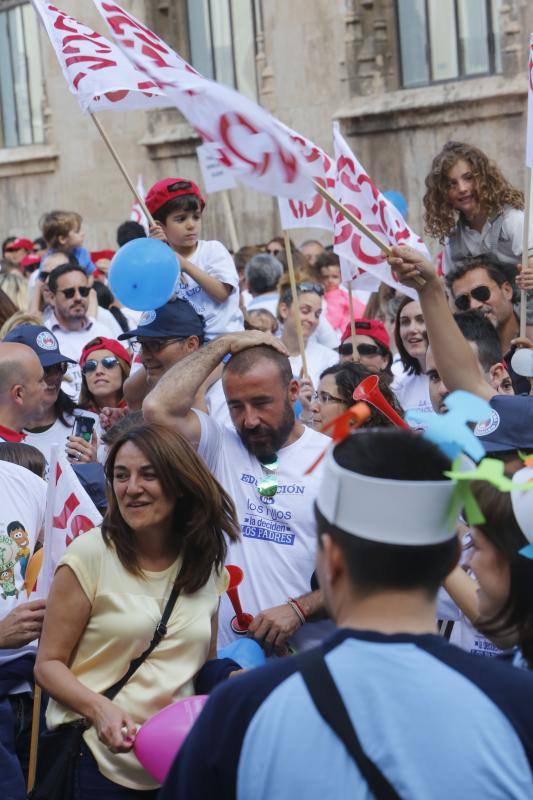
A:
x,y
251,143
314,212
529,137
69,513
355,189
96,70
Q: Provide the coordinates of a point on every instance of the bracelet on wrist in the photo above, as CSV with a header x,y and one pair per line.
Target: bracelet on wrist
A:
x,y
297,609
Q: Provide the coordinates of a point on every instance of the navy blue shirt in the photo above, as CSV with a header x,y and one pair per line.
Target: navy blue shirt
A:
x,y
439,723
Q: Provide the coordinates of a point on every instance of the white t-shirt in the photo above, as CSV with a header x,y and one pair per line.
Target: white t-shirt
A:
x,y
325,334
278,545
269,300
55,434
106,318
213,258
71,343
318,359
412,392
22,507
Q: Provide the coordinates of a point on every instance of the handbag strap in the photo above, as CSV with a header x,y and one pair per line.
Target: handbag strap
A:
x,y
329,704
159,633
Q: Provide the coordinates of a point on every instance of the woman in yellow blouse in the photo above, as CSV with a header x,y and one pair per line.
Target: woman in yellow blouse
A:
x,y
164,527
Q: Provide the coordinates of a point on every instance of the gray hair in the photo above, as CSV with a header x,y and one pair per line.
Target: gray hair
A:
x,y
262,273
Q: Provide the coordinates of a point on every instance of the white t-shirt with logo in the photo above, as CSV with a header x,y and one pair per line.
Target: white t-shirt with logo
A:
x,y
318,359
22,508
213,258
278,545
412,392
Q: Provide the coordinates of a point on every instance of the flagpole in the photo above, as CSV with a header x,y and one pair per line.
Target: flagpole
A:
x,y
35,723
230,220
295,303
525,250
352,319
122,168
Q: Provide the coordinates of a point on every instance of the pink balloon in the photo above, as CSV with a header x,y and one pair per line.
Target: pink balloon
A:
x,y
158,741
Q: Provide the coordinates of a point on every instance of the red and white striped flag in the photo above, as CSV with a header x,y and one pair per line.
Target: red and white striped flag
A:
x,y
355,190
69,512
251,143
97,72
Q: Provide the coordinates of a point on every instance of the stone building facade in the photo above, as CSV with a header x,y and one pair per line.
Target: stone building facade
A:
x,y
401,76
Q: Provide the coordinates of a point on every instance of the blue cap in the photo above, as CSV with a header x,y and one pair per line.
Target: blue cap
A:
x,y
42,341
510,425
176,319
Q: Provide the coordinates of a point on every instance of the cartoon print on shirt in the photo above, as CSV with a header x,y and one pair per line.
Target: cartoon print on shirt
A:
x,y
8,559
21,538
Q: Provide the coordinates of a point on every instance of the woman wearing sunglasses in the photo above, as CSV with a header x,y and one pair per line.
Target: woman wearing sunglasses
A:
x,y
318,356
105,365
412,387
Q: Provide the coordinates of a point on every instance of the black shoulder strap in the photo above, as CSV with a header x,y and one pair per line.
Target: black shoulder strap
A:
x,y
331,708
159,633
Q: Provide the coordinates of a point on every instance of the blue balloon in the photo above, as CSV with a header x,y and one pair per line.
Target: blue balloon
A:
x,y
143,274
397,199
246,652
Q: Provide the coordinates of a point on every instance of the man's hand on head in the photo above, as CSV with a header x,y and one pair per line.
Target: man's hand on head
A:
x,y
22,625
242,341
410,266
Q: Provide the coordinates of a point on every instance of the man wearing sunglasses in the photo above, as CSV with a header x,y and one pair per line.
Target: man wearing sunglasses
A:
x,y
69,289
480,286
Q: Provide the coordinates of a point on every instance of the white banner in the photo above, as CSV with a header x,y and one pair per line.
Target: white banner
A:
x,y
315,212
216,177
97,72
250,142
69,512
355,190
529,137
137,214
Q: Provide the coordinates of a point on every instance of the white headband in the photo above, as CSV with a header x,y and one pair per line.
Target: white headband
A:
x,y
385,510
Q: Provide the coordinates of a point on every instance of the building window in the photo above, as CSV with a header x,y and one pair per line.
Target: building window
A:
x,y
222,41
21,87
446,40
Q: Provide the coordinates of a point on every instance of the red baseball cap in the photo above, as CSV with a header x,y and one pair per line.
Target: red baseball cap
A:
x,y
373,328
20,244
96,255
101,343
30,260
169,188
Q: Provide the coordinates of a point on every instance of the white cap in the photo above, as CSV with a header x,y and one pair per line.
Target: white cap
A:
x,y
385,510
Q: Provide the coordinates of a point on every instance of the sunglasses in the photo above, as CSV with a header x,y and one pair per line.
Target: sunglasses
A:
x,y
56,368
69,293
480,293
302,288
274,251
108,362
153,345
43,276
268,485
368,350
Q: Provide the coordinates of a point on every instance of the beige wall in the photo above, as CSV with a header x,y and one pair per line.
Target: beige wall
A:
x,y
321,59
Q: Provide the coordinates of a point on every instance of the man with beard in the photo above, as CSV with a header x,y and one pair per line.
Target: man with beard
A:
x,y
262,464
69,321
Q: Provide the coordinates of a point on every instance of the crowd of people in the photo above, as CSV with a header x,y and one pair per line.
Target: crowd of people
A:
x,y
395,611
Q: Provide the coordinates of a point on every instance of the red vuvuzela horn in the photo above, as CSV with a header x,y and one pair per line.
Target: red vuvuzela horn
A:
x,y
368,390
241,621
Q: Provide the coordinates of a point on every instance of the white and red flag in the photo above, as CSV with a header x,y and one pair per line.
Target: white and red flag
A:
x,y
69,513
96,70
355,190
314,212
251,143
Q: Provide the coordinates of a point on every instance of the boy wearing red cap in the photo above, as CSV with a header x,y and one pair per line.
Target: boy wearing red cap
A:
x,y
209,279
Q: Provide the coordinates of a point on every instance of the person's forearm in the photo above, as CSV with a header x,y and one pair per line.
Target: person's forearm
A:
x,y
175,392
59,682
463,591
312,605
214,288
455,360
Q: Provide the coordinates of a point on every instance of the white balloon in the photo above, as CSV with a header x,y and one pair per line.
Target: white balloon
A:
x,y
522,362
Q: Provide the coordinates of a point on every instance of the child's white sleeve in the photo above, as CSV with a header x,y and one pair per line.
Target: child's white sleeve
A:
x,y
218,263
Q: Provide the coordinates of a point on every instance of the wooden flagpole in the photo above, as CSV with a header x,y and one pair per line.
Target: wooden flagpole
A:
x,y
352,319
294,292
525,250
228,211
122,168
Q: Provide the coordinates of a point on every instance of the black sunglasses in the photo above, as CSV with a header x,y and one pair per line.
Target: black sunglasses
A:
x,y
368,350
69,293
55,368
43,276
480,293
108,362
